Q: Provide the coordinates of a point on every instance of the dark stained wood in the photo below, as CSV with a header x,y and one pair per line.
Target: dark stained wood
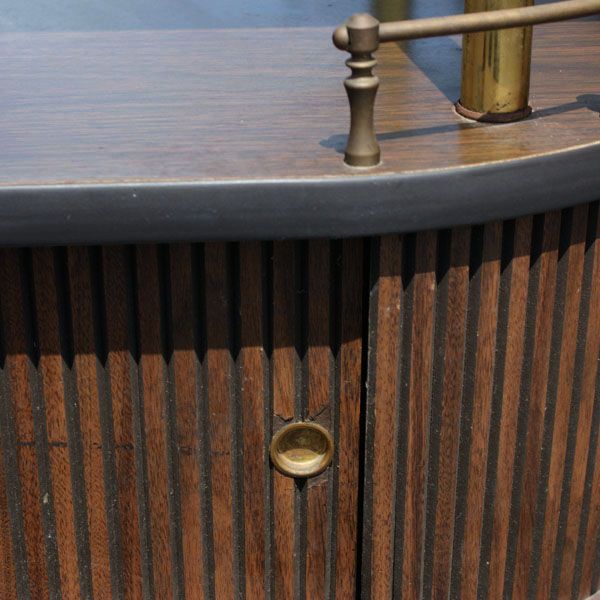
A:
x,y
80,296
348,426
152,388
134,106
7,581
284,376
52,382
482,407
254,398
591,528
385,408
417,398
449,436
582,446
537,401
16,365
319,408
219,374
564,399
457,371
120,361
517,306
183,364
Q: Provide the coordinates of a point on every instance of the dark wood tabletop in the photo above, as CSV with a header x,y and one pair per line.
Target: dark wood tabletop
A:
x,y
92,112
213,105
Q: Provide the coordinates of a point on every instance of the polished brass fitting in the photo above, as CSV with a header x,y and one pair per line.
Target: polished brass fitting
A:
x,y
495,69
495,82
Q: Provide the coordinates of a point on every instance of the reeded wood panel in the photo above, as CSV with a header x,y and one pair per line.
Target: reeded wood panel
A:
x,y
457,371
140,388
482,412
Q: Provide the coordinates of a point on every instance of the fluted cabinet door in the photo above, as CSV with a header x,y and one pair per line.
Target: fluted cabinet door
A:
x,y
456,371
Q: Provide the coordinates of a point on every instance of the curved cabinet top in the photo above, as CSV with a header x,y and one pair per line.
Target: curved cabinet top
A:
x,y
237,134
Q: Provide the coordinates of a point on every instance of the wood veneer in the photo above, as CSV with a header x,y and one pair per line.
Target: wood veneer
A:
x,y
457,371
216,105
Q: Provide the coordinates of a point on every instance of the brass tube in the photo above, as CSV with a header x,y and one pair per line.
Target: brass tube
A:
x,y
495,68
396,31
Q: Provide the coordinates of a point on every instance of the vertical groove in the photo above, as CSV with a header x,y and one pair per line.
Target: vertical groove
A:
x,y
437,383
475,264
75,444
401,441
551,398
300,409
141,468
576,394
372,302
367,275
106,424
333,492
39,424
525,388
506,270
267,341
13,485
199,293
166,335
237,425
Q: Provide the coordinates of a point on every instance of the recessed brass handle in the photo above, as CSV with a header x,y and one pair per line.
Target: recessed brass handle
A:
x,y
301,449
361,35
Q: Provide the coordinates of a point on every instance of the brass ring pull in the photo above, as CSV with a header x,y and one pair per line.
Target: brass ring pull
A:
x,y
301,449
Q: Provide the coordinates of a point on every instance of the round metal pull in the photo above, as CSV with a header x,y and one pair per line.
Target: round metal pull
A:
x,y
301,449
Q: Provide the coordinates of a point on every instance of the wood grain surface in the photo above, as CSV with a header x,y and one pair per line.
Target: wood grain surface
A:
x,y
223,105
457,370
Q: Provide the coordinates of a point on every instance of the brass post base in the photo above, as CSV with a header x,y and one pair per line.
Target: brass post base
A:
x,y
490,117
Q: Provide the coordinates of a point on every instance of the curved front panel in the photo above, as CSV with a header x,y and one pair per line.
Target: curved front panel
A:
x,y
456,372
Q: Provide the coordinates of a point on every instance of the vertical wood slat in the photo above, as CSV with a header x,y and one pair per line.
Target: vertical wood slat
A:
x,y
482,408
417,399
319,407
122,381
8,584
349,363
565,400
219,381
20,402
284,365
382,413
450,411
84,365
205,335
50,367
590,526
537,402
517,305
566,575
253,373
183,372
152,373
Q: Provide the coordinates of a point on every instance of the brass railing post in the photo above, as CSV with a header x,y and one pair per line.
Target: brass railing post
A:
x,y
495,69
495,79
362,149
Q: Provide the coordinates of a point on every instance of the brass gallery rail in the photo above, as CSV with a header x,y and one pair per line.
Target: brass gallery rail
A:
x,y
362,34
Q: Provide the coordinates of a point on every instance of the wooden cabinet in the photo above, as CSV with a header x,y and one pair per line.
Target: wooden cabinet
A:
x,y
457,371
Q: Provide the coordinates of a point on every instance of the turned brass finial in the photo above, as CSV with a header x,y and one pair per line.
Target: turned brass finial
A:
x,y
496,75
362,40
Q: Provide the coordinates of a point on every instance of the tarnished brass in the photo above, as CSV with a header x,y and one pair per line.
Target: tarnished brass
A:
x,y
362,34
301,449
495,69
362,149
